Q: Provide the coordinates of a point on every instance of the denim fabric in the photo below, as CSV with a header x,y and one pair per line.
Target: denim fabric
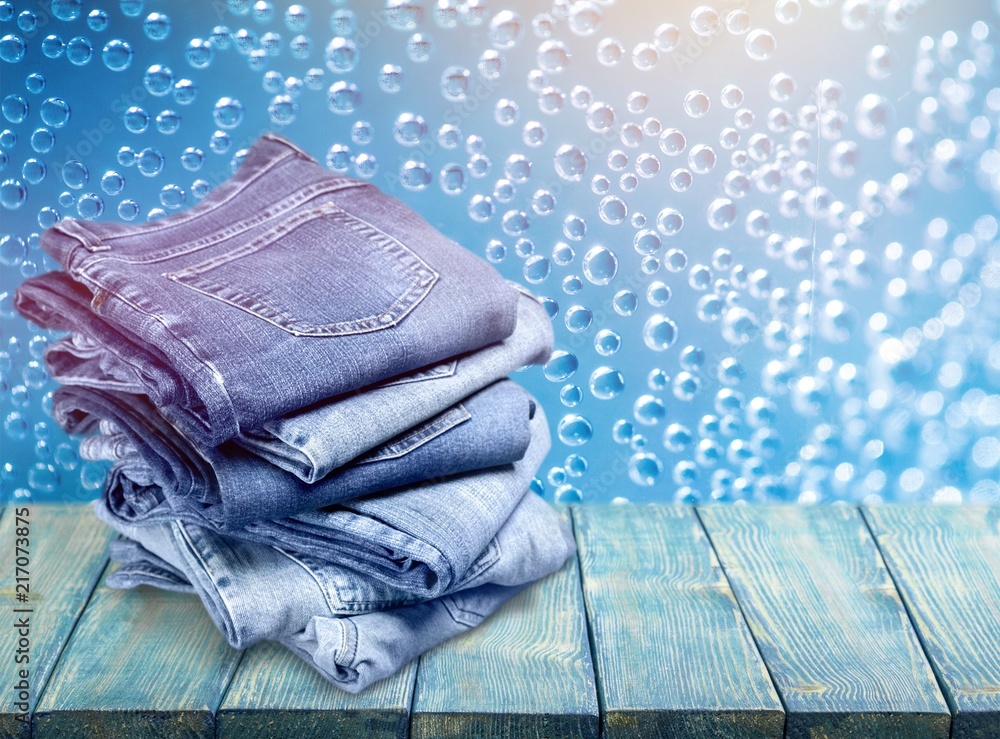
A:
x,y
161,475
254,592
419,540
312,442
285,286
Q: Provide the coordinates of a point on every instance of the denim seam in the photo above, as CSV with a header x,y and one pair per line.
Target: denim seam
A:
x,y
417,273
350,642
458,614
448,370
419,436
179,527
483,563
203,363
275,210
321,586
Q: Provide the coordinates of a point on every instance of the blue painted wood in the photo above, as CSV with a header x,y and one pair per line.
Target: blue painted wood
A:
x,y
141,663
65,553
672,651
275,695
524,672
828,621
945,561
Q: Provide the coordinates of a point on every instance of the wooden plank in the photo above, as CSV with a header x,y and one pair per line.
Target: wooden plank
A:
x,y
141,663
66,552
828,621
524,672
672,652
276,695
945,561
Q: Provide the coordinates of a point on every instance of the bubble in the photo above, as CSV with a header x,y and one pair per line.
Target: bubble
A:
x,y
625,302
282,109
787,11
705,20
574,430
659,332
90,206
12,48
658,293
606,383
649,410
737,22
75,174
645,56
53,46
156,26
136,119
132,8
15,108
128,210
341,55
739,326
696,104
13,250
66,10
760,44
880,62
666,37
150,161
79,50
702,159
419,47
610,52
873,116
506,29
112,182
644,468
584,18
552,56
570,163
578,318
12,194
669,221
455,83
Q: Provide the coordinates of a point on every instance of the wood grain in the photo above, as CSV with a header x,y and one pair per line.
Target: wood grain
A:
x,y
672,652
946,563
828,621
67,550
141,663
275,695
524,672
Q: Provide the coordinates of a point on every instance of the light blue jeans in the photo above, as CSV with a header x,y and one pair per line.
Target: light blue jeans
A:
x,y
325,611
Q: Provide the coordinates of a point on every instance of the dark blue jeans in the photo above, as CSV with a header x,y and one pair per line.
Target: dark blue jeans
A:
x,y
285,286
161,475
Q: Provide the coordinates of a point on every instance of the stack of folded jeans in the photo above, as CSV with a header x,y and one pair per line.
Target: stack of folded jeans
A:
x,y
301,386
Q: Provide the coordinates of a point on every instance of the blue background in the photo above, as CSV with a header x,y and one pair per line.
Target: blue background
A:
x,y
876,183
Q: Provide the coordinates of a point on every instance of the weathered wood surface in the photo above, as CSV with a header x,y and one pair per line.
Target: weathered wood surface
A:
x,y
945,561
141,663
828,621
524,672
66,550
276,695
672,652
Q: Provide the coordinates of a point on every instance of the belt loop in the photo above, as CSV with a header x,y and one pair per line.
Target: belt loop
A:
x,y
271,136
89,240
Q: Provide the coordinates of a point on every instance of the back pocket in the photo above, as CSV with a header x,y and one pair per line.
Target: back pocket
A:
x,y
320,272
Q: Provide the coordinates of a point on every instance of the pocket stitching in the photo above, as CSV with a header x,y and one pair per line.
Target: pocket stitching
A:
x,y
418,274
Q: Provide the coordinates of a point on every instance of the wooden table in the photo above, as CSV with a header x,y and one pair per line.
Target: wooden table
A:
x,y
717,622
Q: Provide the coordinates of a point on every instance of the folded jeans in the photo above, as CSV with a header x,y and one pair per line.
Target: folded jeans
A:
x,y
313,276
